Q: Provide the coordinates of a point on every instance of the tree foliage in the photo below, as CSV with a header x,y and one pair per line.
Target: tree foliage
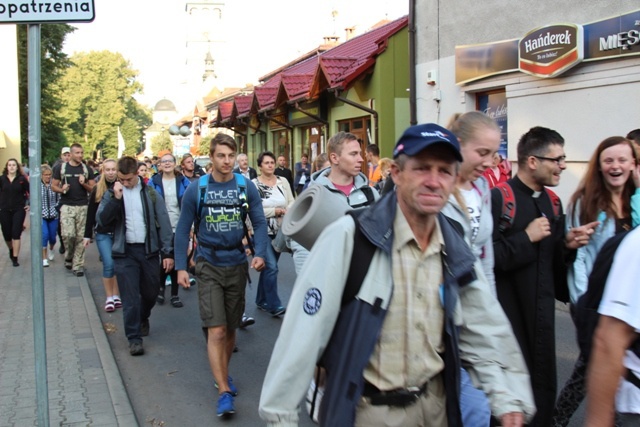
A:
x,y
97,93
53,63
161,142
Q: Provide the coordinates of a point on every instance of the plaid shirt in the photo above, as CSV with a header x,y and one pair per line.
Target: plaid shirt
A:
x,y
50,201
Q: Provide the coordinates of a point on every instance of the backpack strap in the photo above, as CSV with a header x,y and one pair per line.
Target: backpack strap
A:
x,y
555,202
508,206
241,182
203,182
363,251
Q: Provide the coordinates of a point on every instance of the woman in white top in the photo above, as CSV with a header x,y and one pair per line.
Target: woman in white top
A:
x,y
470,205
276,198
470,202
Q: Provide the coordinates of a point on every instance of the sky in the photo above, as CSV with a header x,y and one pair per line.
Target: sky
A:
x,y
253,38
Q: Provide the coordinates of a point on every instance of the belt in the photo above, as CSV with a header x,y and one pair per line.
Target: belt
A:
x,y
398,397
135,244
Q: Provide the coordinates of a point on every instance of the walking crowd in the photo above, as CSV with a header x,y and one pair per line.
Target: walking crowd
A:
x,y
430,303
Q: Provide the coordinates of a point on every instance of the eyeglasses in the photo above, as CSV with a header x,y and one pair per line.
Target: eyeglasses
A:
x,y
166,161
558,160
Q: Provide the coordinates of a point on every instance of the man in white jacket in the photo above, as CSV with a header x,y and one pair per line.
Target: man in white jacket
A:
x,y
393,353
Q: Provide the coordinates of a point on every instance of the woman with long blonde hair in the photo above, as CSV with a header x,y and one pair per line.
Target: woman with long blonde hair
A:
x,y
104,235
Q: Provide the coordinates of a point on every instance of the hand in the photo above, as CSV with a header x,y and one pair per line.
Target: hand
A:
x,y
85,242
538,229
26,208
257,263
167,264
579,236
117,190
512,419
65,188
183,279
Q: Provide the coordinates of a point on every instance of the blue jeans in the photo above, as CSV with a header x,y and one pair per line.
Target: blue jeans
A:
x,y
104,242
267,294
474,404
138,280
49,230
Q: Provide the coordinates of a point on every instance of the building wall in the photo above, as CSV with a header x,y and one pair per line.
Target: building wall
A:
x,y
10,105
588,103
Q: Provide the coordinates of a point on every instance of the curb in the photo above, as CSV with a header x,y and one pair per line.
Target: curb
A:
x,y
122,407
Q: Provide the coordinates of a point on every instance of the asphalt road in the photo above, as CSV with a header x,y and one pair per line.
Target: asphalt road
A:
x,y
172,384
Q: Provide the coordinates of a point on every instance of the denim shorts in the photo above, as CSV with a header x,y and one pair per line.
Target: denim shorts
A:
x,y
221,293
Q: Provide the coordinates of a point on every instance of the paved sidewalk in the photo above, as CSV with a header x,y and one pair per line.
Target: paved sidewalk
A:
x,y
84,384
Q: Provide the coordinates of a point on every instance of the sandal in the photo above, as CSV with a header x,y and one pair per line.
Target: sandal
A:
x,y
109,306
117,302
175,301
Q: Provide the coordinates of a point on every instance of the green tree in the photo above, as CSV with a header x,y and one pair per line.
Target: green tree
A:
x,y
203,149
53,63
97,92
161,142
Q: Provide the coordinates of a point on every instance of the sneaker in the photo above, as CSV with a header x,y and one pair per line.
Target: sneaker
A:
x,y
175,302
136,349
117,301
277,311
45,263
225,405
247,321
14,260
51,255
144,328
309,400
109,306
192,282
78,273
232,387
160,297
68,264
262,306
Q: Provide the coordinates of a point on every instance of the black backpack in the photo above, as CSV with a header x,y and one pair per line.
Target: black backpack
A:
x,y
586,309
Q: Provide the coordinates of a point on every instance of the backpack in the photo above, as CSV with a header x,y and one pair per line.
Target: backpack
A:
x,y
203,183
586,309
509,205
63,168
507,215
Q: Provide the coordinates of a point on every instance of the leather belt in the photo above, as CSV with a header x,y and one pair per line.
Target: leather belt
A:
x,y
398,397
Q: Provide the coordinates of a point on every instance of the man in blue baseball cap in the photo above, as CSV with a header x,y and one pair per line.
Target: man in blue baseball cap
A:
x,y
393,352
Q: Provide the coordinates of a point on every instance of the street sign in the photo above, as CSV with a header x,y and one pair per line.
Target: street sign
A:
x,y
49,11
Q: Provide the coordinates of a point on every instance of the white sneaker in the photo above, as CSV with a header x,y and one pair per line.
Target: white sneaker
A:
x,y
45,263
309,399
50,256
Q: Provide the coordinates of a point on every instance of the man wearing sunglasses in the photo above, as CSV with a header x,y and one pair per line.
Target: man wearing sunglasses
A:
x,y
530,253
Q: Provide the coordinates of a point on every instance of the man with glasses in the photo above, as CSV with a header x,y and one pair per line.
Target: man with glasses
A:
x,y
530,257
142,237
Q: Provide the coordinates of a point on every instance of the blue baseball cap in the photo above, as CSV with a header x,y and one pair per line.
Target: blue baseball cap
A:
x,y
418,137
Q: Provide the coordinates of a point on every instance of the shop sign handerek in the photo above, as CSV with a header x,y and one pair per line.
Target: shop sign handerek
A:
x,y
550,50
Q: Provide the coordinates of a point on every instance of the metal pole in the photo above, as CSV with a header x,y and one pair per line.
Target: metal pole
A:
x,y
35,220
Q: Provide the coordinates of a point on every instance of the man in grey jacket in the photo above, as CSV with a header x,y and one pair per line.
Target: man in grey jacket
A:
x,y
393,353
142,237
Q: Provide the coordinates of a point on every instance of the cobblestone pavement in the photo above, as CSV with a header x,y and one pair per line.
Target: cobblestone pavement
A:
x,y
84,385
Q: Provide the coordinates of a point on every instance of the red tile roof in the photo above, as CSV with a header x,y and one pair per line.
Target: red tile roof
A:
x,y
224,111
243,105
349,60
335,68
